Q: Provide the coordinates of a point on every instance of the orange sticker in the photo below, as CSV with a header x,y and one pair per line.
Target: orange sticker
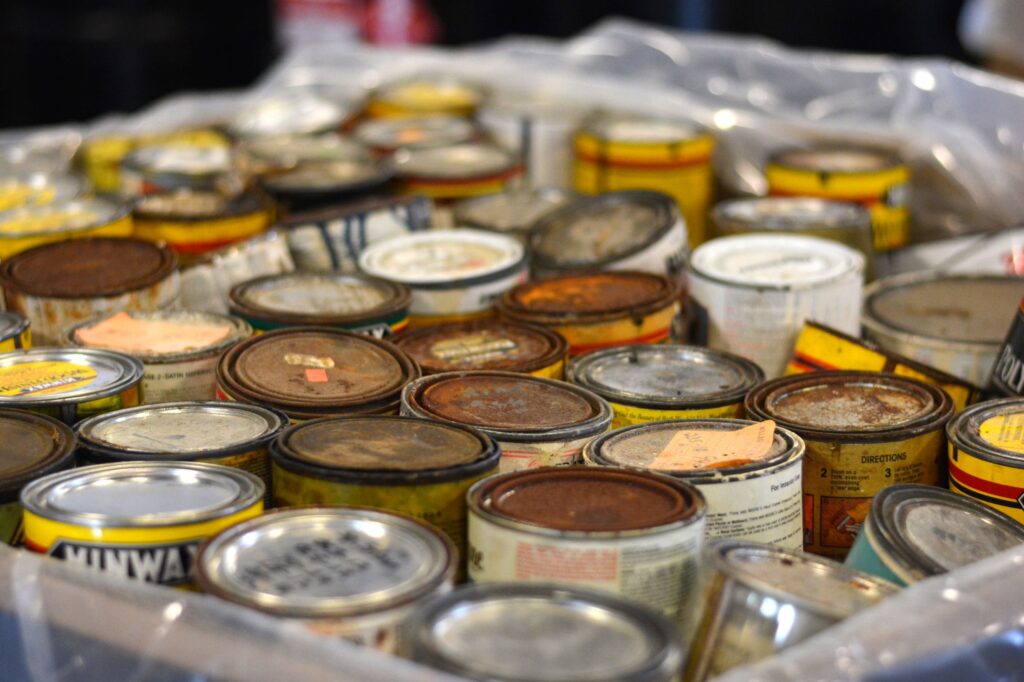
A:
x,y
713,449
316,376
125,333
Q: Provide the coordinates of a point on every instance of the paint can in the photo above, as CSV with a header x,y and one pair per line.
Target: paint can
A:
x,y
513,212
387,135
24,228
1008,374
425,95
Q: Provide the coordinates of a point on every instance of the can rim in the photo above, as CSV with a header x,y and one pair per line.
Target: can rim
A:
x,y
114,211
888,159
130,372
962,430
844,214
60,456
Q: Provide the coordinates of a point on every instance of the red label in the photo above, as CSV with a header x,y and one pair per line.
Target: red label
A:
x,y
316,376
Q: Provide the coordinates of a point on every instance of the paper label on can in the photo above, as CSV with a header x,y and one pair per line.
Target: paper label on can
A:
x,y
177,381
166,564
1008,373
691,449
1005,431
767,507
519,456
627,415
10,523
472,299
44,378
996,484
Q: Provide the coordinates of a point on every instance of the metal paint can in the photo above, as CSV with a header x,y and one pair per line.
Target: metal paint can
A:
x,y
864,432
955,323
615,152
294,113
282,151
167,166
24,228
756,291
15,332
342,572
873,178
1008,374
69,384
360,304
537,422
425,95
761,600
387,135
39,188
317,184
513,212
916,531
635,230
454,274
751,499
597,310
487,344
138,520
538,633
656,383
446,174
178,349
310,372
986,454
31,446
631,533
61,284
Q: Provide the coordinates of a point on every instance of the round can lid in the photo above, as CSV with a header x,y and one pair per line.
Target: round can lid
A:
x,y
591,293
641,130
308,295
468,160
412,133
791,214
298,113
483,345
45,376
31,444
428,93
181,159
319,176
185,204
326,562
160,336
288,150
38,188
512,211
59,216
442,257
837,159
992,430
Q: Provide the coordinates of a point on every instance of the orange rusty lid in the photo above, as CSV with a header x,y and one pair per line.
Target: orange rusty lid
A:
x,y
591,296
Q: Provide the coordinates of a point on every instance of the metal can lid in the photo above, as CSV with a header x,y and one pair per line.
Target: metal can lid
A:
x,y
512,211
791,214
142,494
184,204
837,159
818,584
59,216
992,430
160,336
181,159
12,324
589,295
326,562
641,129
183,428
31,445
427,93
782,261
88,268
39,188
289,150
312,298
297,113
412,133
468,161
483,344
442,257
541,633
55,376
666,376
319,176
974,309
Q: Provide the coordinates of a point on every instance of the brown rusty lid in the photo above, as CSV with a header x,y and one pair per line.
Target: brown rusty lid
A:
x,y
31,445
483,344
88,268
593,295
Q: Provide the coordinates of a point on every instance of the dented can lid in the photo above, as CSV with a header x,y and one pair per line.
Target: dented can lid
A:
x,y
832,159
466,161
161,336
38,188
31,445
483,344
326,562
991,430
292,114
513,211
389,134
590,296
56,376
791,214
70,216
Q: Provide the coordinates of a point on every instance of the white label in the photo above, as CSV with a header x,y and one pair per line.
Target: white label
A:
x,y
473,299
664,257
518,456
175,381
766,509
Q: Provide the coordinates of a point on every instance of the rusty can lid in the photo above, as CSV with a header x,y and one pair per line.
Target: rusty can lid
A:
x,y
388,134
31,445
483,344
836,159
469,161
592,295
88,268
513,211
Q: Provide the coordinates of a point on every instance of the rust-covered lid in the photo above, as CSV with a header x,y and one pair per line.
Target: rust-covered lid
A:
x,y
596,294
31,445
88,268
484,344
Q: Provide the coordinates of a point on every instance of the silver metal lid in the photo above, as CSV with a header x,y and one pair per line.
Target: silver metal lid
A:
x,y
159,327
142,494
792,214
413,133
60,216
326,562
469,160
316,294
54,376
297,113
326,175
513,211
39,189
289,150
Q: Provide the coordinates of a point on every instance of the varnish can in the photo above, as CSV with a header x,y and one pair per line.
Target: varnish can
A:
x,y
387,135
513,212
537,422
1008,374
864,432
24,228
456,171
15,332
425,95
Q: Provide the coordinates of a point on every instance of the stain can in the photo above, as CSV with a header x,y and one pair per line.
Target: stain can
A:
x,y
454,274
317,184
38,188
61,284
425,95
761,600
614,152
487,344
24,228
537,633
631,533
656,383
513,212
754,292
916,531
864,432
170,165
31,446
387,135
360,304
955,323
986,454
446,174
1008,373
139,521
597,310
15,332
634,230
537,422
310,372
69,384
343,572
755,497
874,178
178,348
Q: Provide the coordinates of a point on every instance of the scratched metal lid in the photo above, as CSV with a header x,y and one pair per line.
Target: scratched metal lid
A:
x,y
640,129
290,150
57,376
992,430
326,562
541,633
483,344
588,296
513,211
298,113
389,134
74,215
442,257
31,445
38,188
156,336
466,161
354,174
836,159
790,214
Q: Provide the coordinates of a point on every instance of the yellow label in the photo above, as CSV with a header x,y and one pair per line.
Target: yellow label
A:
x,y
12,243
552,371
627,415
653,328
1005,432
996,484
22,340
255,462
417,321
714,448
44,378
219,230
10,523
18,195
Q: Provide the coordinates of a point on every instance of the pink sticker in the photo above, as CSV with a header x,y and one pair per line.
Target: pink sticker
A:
x,y
316,376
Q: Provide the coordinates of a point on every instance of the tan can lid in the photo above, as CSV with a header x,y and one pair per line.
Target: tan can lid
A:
x,y
486,344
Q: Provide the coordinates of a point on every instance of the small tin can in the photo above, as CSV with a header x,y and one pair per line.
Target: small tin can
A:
x,y
749,498
986,454
58,285
310,372
318,184
1008,373
139,521
538,633
31,446
871,177
229,434
754,292
631,533
340,571
864,432
597,310
167,166
955,323
69,384
761,600
916,531
615,152
635,230
24,228
454,274
178,348
655,383
360,304
537,422
513,212
487,344
38,188
15,332
387,135
446,174
294,113
425,95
